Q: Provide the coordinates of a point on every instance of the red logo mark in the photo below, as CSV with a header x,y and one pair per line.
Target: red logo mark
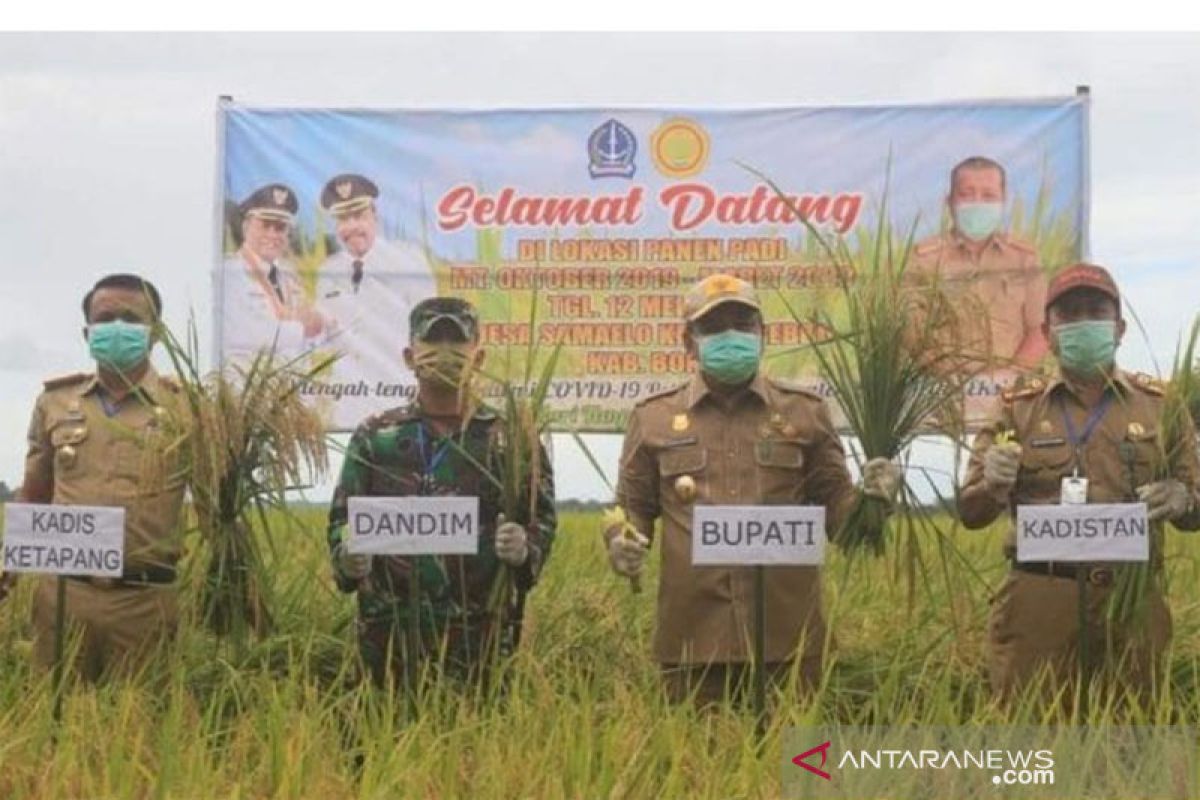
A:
x,y
823,749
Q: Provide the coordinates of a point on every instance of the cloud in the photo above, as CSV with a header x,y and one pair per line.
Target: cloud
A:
x,y
109,143
20,352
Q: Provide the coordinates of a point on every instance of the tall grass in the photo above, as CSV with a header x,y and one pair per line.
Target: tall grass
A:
x,y
1176,437
583,716
897,368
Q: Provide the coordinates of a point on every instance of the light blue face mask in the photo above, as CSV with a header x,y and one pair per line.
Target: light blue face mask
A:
x,y
1087,347
978,221
118,344
730,357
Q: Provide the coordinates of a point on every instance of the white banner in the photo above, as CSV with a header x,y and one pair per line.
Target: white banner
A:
x,y
334,223
64,540
1114,532
758,535
410,526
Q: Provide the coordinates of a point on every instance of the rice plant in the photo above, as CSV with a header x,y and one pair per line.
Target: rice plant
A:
x,y
584,715
1176,437
245,438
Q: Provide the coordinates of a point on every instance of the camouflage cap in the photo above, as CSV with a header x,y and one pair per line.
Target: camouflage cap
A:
x,y
345,194
1082,276
432,310
273,201
714,290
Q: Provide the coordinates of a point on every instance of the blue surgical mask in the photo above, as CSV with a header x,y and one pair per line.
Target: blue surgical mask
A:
x,y
118,344
730,357
1087,347
978,221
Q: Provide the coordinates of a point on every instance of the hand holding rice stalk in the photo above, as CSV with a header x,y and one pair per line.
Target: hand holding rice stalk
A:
x,y
1176,433
518,465
615,518
244,438
892,360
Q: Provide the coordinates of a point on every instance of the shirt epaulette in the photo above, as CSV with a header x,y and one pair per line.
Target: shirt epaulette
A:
x,y
1022,245
793,388
392,416
1149,384
928,246
661,393
66,380
1031,388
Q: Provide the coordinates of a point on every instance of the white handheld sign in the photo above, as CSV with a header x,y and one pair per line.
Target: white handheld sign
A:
x,y
758,535
64,540
1089,532
410,526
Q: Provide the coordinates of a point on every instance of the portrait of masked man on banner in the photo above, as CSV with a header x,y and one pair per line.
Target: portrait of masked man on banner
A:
x,y
264,304
997,276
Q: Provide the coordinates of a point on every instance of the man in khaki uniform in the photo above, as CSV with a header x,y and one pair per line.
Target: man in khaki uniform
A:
x,y
730,436
90,436
1102,424
995,275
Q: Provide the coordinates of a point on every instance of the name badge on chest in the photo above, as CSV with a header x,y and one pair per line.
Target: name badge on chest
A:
x,y
1074,491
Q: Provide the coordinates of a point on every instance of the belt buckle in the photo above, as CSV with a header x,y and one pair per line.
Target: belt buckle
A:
x,y
1100,576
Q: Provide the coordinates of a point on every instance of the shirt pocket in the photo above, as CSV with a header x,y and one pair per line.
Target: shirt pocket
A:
x,y
69,440
1042,471
135,443
779,464
681,474
1141,455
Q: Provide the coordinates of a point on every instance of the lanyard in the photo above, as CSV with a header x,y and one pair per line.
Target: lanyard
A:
x,y
1076,439
111,409
430,462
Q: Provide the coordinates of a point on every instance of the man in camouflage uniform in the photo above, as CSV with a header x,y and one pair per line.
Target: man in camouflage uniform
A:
x,y
91,435
1101,424
432,448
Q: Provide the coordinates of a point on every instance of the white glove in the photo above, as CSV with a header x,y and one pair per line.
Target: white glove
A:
x,y
1164,499
881,478
627,554
1001,463
354,566
512,542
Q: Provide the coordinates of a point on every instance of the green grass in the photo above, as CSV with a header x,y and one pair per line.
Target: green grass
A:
x,y
584,717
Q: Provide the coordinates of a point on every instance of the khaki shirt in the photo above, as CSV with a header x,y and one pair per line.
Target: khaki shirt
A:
x,y
775,446
1120,455
79,454
1004,285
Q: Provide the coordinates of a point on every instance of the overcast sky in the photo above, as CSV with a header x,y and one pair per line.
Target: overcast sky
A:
x,y
107,155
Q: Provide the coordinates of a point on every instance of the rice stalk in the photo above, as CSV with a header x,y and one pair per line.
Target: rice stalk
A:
x,y
1176,437
244,437
517,464
895,362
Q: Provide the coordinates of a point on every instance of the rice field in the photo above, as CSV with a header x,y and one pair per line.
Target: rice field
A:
x,y
286,717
